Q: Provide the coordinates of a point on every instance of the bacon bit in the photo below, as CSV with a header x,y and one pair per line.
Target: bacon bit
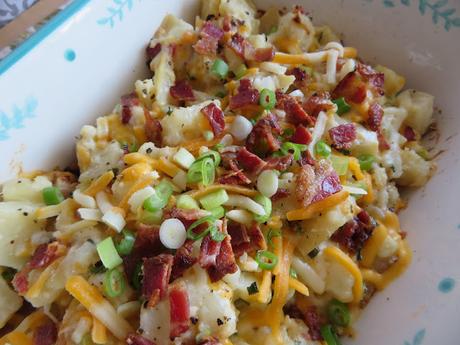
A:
x,y
235,177
152,52
137,339
45,334
209,341
306,159
45,254
246,95
249,161
313,321
295,114
352,88
343,135
153,130
279,163
157,271
353,235
280,194
225,261
182,91
215,117
262,140
330,185
320,101
383,143
209,250
263,54
227,23
187,217
374,117
409,133
300,75
373,77
206,46
209,29
236,43
245,240
128,101
301,135
183,260
20,282
293,311
210,35
179,310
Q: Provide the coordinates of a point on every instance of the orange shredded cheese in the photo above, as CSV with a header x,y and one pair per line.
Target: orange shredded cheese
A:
x,y
17,338
265,288
98,332
372,246
228,187
193,146
136,171
83,157
298,286
37,287
143,182
353,164
100,183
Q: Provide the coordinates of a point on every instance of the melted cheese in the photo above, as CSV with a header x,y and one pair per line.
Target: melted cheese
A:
x,y
136,171
98,332
265,288
372,246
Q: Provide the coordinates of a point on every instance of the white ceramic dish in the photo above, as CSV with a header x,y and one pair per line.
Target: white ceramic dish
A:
x,y
78,65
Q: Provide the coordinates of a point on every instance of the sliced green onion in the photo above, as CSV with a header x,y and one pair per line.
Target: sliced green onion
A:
x,y
194,236
252,289
214,199
272,233
216,235
218,147
340,164
184,158
338,313
108,253
137,276
267,205
126,244
313,253
8,274
292,273
187,202
366,161
97,268
295,148
202,170
240,71
220,68
267,99
208,135
342,106
329,335
322,149
52,196
86,340
114,283
213,154
217,212
266,259
159,200
287,133
154,217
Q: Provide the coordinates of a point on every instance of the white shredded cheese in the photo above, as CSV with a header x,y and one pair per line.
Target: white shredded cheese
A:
x,y
246,203
84,199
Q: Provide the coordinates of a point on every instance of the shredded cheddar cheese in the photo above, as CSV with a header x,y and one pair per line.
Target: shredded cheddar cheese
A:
x,y
228,187
144,182
98,332
298,286
37,287
100,183
263,295
372,246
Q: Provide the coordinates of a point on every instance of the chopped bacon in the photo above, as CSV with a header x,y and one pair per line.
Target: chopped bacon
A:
x,y
236,44
245,240
306,159
206,46
264,54
343,135
375,79
300,75
383,143
187,217
153,130
209,341
157,271
330,185
183,260
209,29
179,310
374,117
262,140
209,250
293,311
236,177
44,255
320,101
295,114
227,23
279,163
137,339
210,35
409,133
182,91
45,334
215,117
352,88
244,49
280,194
20,281
152,52
128,101
313,321
301,135
249,161
245,96
353,235
225,262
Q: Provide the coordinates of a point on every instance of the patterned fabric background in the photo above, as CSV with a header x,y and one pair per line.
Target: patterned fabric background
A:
x,y
10,9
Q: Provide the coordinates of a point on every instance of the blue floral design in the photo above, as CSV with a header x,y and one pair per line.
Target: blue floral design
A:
x,y
115,11
418,338
17,117
440,10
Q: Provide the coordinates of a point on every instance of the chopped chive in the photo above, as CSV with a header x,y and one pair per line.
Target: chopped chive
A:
x,y
126,244
108,253
312,254
220,68
366,161
338,313
342,106
267,99
253,289
266,204
292,273
52,196
240,71
322,149
266,259
114,283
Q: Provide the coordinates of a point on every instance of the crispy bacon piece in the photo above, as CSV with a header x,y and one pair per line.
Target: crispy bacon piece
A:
x,y
244,49
209,29
306,159
374,78
313,321
179,310
383,143
157,271
374,117
353,235
280,194
295,114
320,101
352,88
263,138
236,43
153,130
409,133
225,262
128,101
330,185
20,282
300,75
301,135
210,35
152,52
45,334
245,240
249,161
263,54
245,96
343,135
236,176
209,250
227,24
183,260
215,117
187,217
137,339
206,46
279,163
182,91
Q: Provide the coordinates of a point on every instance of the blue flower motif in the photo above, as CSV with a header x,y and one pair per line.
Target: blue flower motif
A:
x,y
16,119
418,338
115,11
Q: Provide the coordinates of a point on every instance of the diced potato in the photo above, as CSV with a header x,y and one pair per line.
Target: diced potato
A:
x,y
419,106
183,124
388,247
155,321
416,170
273,82
242,10
171,30
393,118
393,81
9,301
102,160
24,189
339,282
164,77
145,91
209,7
366,142
17,226
295,33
